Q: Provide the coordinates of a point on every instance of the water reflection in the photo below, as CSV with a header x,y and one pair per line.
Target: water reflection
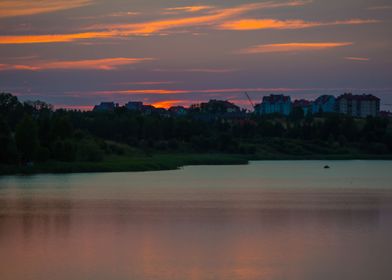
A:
x,y
195,233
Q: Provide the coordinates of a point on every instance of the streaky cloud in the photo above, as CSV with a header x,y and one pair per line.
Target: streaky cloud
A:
x,y
189,9
377,8
259,24
52,38
215,17
357,58
111,15
92,64
293,47
14,8
140,91
161,91
199,70
102,31
147,83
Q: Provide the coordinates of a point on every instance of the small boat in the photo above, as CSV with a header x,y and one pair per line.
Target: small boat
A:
x,y
327,167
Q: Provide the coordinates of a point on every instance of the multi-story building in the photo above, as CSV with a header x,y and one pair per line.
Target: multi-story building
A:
x,y
105,106
305,105
134,105
359,106
324,104
274,104
219,107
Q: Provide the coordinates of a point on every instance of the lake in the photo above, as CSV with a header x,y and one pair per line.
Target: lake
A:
x,y
271,220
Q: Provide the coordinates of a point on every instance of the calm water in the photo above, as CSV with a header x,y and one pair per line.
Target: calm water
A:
x,y
267,220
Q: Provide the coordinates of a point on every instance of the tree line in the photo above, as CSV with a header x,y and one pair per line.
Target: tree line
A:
x,y
34,131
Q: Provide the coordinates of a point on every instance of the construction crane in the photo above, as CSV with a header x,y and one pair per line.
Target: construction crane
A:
x,y
250,100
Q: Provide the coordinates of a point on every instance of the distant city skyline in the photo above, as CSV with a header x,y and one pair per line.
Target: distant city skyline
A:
x,y
248,104
77,53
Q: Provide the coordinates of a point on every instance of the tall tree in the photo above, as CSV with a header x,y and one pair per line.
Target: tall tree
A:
x,y
26,138
7,150
10,109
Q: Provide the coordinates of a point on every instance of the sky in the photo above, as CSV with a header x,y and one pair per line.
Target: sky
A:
x,y
77,53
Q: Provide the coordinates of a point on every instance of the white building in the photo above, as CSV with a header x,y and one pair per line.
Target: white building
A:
x,y
274,104
360,106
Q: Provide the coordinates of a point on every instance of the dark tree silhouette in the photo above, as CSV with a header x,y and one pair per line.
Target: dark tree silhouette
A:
x,y
26,137
34,131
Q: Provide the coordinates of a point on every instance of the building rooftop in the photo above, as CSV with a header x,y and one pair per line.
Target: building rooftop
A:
x,y
324,99
358,97
302,103
276,98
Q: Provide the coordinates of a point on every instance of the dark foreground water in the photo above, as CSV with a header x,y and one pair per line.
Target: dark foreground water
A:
x,y
268,220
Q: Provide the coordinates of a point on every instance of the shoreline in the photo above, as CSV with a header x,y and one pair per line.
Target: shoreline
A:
x,y
164,162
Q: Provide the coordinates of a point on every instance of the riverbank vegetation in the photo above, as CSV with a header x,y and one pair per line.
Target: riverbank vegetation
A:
x,y
36,138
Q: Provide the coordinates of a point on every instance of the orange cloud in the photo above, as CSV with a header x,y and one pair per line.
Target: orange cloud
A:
x,y
188,91
152,27
240,90
112,15
74,107
149,83
293,47
257,24
189,9
357,58
149,27
55,38
4,66
142,91
169,103
12,8
97,64
199,70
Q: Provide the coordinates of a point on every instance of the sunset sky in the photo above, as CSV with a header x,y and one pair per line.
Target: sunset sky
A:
x,y
76,53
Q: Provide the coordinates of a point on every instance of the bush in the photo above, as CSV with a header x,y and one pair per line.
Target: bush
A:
x,y
89,150
42,154
161,145
378,148
114,148
64,150
173,144
247,149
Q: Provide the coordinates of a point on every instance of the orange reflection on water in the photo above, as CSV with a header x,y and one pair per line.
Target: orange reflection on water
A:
x,y
275,235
